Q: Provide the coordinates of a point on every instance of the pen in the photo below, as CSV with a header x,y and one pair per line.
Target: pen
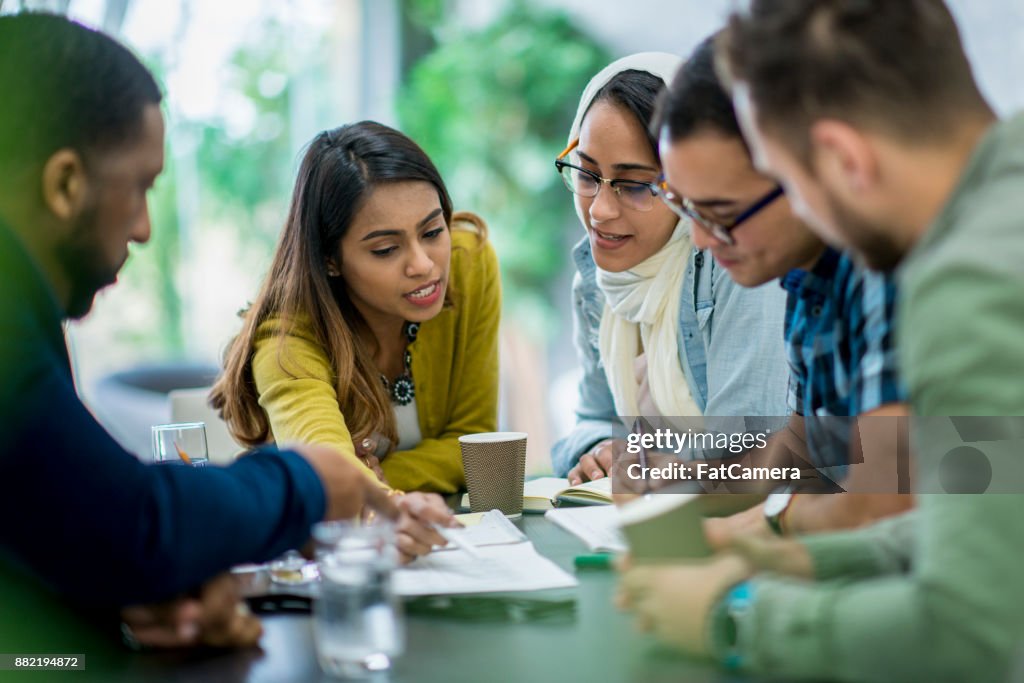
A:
x,y
594,561
453,536
182,454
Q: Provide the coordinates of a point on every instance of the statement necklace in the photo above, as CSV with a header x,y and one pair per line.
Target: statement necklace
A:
x,y
402,390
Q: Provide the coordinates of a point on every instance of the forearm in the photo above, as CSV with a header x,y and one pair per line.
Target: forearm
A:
x,y
434,465
567,451
885,547
140,533
955,617
299,413
812,513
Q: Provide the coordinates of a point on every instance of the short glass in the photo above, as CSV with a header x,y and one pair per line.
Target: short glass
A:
x,y
358,627
180,444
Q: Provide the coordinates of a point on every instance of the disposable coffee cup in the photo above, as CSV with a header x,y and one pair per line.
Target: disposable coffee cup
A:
x,y
495,466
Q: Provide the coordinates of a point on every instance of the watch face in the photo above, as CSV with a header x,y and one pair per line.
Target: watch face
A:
x,y
775,503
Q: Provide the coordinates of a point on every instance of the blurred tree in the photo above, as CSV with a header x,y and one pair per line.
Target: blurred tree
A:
x,y
492,107
218,172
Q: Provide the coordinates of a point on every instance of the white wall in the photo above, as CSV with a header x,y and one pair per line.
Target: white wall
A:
x,y
993,31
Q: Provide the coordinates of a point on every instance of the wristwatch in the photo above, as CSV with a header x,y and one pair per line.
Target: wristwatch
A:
x,y
775,506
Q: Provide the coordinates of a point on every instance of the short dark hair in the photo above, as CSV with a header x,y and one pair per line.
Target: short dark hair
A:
x,y
893,66
66,86
696,101
637,91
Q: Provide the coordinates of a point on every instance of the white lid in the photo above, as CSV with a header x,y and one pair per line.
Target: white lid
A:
x,y
492,437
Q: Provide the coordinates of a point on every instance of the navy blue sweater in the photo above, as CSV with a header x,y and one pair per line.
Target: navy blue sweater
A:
x,y
86,518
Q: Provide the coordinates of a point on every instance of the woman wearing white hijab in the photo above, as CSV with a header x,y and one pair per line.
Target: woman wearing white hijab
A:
x,y
660,328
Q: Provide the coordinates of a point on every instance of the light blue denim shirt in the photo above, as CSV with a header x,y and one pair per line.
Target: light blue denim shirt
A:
x,y
731,350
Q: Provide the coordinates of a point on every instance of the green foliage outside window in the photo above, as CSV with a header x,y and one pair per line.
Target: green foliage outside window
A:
x,y
492,108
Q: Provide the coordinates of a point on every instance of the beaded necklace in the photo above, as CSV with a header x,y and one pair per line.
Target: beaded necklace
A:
x,y
401,389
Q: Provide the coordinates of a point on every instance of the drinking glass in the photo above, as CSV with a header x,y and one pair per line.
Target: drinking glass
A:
x,y
357,619
180,444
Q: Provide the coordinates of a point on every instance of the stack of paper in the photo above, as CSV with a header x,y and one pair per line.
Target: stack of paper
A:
x,y
507,562
501,569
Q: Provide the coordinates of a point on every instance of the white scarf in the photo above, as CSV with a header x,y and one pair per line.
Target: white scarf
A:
x,y
642,308
642,304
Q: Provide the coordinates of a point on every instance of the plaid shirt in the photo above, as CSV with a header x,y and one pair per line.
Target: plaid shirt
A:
x,y
839,331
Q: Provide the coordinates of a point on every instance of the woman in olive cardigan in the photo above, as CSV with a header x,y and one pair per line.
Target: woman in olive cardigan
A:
x,y
378,321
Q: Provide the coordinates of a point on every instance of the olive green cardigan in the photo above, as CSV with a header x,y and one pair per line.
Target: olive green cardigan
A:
x,y
454,369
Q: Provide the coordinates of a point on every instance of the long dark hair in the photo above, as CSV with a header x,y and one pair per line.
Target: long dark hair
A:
x,y
339,169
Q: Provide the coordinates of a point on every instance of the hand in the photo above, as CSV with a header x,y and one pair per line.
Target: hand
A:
x,y
594,464
721,532
777,555
216,617
674,600
371,450
415,528
347,489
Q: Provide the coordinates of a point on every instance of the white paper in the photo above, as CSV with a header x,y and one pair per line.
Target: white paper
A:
x,y
493,528
502,568
597,526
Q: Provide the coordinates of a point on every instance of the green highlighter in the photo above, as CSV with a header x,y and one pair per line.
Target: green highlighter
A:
x,y
594,561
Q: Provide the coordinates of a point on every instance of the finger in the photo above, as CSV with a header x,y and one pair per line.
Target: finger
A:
x,y
622,599
427,535
408,545
574,476
219,600
246,628
428,508
604,458
249,633
376,498
187,616
144,615
636,582
588,466
242,629
161,636
716,533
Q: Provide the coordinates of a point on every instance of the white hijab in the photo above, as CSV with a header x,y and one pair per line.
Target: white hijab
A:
x,y
642,304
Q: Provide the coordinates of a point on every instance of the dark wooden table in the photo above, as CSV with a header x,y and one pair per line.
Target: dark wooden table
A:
x,y
564,635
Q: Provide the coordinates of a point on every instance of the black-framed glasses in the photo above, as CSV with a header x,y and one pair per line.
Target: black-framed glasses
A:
x,y
684,208
634,194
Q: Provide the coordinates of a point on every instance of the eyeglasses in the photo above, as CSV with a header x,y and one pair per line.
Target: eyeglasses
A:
x,y
634,194
684,208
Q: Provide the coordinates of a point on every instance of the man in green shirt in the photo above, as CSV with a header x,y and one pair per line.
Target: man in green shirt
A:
x,y
869,115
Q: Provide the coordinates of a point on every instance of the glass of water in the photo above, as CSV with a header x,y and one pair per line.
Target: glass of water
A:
x,y
357,619
180,444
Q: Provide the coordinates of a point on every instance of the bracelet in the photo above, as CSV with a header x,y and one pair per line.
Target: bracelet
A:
x,y
372,514
725,625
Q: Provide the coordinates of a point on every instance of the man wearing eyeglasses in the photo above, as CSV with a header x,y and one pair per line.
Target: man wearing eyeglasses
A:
x,y
839,317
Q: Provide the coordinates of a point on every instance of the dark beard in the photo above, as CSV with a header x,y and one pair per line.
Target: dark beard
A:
x,y
82,258
871,244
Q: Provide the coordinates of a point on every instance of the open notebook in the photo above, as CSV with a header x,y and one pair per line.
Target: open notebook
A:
x,y
540,495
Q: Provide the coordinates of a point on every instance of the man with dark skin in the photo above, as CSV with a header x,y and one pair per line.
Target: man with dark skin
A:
x,y
81,144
